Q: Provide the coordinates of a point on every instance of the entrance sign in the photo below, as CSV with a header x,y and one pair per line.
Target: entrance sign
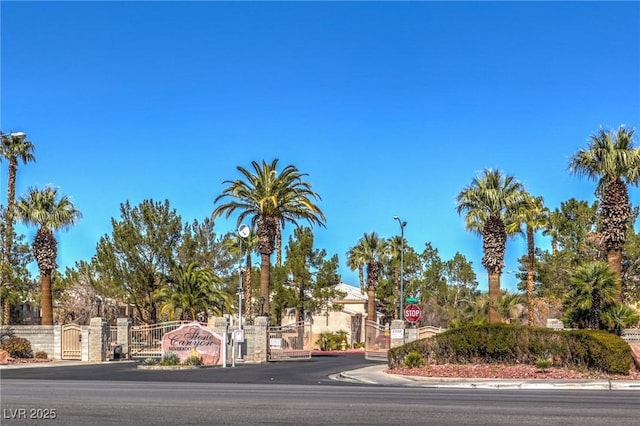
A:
x,y
412,313
193,339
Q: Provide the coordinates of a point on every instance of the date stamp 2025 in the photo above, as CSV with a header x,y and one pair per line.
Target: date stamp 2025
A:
x,y
29,413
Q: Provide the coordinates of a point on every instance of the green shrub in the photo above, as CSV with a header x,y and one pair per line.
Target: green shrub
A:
x,y
413,359
18,347
194,359
41,355
149,361
331,341
170,359
512,344
543,364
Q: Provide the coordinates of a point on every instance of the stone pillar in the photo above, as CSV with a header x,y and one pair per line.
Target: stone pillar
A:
x,y
398,333
97,340
261,344
57,342
122,338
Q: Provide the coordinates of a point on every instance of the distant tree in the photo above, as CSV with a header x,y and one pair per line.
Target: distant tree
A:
x,y
139,255
486,202
269,199
370,251
530,217
43,208
14,148
614,162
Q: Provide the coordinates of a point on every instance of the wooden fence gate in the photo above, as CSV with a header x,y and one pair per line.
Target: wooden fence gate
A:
x,y
71,338
289,342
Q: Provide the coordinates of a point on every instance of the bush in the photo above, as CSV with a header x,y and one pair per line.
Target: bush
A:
x,y
413,359
18,347
194,359
149,361
502,343
170,359
41,355
543,364
331,341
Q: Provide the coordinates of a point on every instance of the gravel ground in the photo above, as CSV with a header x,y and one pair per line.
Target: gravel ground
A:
x,y
501,371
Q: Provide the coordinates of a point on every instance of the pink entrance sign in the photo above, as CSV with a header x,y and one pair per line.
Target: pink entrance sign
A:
x,y
190,339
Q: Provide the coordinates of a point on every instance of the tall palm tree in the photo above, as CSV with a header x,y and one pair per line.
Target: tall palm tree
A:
x,y
356,260
534,216
486,202
14,148
42,208
369,251
269,199
594,290
614,162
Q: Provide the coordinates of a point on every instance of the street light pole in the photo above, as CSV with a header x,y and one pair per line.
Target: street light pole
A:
x,y
402,225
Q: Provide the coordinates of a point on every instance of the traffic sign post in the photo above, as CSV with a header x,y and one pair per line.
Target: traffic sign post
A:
x,y
412,313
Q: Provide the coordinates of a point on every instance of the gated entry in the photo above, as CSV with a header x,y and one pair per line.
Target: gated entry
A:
x,y
71,339
289,342
377,341
146,340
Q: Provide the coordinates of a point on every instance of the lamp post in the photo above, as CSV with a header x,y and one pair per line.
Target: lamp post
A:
x,y
98,305
402,225
262,300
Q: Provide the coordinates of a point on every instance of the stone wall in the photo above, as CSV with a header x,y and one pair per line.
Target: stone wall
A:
x,y
42,338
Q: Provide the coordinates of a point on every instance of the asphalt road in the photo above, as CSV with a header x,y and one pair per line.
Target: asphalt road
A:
x,y
286,393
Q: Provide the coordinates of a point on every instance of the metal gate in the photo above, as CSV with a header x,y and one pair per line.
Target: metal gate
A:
x,y
71,338
290,342
377,341
146,340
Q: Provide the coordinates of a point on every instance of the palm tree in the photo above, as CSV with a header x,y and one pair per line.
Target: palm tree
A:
x,y
356,259
619,316
534,216
486,202
594,290
612,160
270,199
190,291
42,208
14,148
369,251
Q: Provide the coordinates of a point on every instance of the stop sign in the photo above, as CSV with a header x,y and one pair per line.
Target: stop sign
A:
x,y
412,313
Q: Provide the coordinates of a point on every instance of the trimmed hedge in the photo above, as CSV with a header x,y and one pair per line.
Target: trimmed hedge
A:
x,y
512,344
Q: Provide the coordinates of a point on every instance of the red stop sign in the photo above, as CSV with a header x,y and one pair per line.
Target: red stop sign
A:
x,y
412,313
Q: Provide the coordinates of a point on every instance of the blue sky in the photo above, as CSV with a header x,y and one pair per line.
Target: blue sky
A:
x,y
390,107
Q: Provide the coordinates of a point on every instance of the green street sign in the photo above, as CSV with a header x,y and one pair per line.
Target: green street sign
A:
x,y
413,299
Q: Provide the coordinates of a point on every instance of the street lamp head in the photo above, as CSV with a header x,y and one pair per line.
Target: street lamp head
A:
x,y
396,217
19,134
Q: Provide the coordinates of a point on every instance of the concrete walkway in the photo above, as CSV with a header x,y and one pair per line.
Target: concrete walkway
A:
x,y
375,375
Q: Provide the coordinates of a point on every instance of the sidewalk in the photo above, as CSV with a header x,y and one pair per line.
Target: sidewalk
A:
x,y
375,375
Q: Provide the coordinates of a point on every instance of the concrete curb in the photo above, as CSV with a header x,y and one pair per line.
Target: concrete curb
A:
x,y
375,375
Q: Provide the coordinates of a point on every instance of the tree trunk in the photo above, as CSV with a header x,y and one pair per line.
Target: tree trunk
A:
x,y
265,277
494,295
530,265
46,299
371,303
614,259
8,243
